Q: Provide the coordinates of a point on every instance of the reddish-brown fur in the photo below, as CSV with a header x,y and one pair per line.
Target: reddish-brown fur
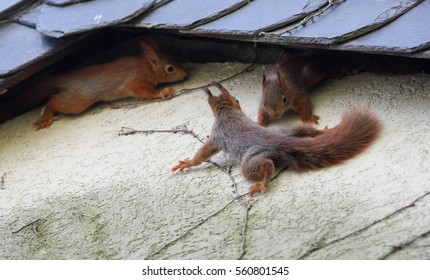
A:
x,y
74,92
260,149
288,84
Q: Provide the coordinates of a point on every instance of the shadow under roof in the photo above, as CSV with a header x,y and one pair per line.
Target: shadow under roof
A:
x,y
35,31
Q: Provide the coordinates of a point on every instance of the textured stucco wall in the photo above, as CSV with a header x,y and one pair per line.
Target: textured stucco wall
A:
x,y
85,192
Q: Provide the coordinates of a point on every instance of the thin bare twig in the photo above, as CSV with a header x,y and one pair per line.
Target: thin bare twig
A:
x,y
188,90
178,129
314,14
245,70
184,130
245,205
306,19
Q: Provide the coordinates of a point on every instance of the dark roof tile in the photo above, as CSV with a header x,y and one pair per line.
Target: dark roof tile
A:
x,y
30,16
9,6
22,45
63,2
409,33
60,21
259,15
366,26
186,13
345,20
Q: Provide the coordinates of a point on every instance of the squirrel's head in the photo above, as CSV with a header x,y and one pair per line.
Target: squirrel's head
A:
x,y
166,69
275,99
225,101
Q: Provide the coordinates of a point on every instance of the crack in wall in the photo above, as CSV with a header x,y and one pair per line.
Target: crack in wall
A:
x,y
245,205
3,181
357,232
405,245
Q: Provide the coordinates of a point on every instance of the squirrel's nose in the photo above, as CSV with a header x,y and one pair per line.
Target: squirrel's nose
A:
x,y
275,115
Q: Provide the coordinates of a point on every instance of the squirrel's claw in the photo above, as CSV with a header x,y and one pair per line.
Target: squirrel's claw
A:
x,y
167,93
183,164
44,122
311,118
257,187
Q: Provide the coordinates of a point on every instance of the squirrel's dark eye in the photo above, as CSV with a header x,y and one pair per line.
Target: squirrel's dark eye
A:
x,y
284,100
170,69
237,101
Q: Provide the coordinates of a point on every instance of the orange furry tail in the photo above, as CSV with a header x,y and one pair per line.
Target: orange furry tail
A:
x,y
357,130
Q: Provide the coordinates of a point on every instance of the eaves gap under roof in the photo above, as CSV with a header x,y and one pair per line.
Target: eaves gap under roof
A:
x,y
39,32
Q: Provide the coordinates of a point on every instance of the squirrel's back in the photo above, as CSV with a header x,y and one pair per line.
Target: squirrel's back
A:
x,y
239,136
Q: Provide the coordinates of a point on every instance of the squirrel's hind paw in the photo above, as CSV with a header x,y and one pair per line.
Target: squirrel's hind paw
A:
x,y
257,187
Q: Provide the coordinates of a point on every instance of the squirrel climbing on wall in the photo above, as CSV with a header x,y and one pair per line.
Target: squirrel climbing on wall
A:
x,y
260,149
74,92
289,83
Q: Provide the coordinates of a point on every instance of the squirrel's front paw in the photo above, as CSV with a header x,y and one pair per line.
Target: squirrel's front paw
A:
x,y
263,121
167,93
182,165
257,187
311,118
44,122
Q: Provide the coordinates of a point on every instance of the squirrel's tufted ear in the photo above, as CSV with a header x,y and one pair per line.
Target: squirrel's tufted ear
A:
x,y
208,92
212,100
221,88
151,43
151,54
280,79
264,74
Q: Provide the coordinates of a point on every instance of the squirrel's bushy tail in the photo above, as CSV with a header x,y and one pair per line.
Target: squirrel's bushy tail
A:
x,y
357,130
25,100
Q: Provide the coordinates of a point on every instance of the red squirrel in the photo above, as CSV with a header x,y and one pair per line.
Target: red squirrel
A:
x,y
74,92
288,84
260,149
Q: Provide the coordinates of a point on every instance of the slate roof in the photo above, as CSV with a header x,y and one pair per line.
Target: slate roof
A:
x,y
36,33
